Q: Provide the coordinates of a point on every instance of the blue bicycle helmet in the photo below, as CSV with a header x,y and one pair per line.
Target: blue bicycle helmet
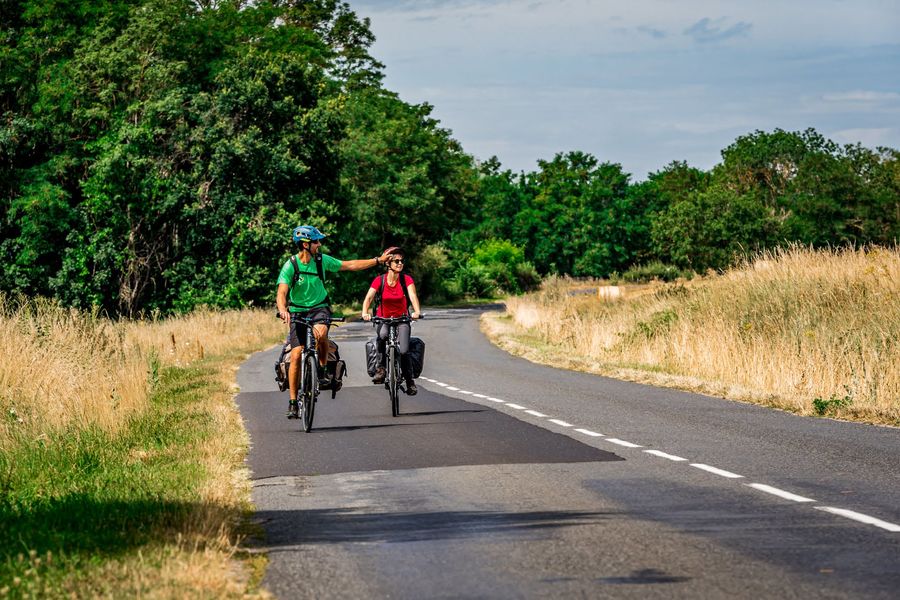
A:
x,y
306,233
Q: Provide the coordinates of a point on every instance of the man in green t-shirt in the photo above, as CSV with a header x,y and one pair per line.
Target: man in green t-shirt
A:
x,y
301,291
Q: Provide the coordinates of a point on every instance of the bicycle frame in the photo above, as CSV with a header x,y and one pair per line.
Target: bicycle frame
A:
x,y
393,379
308,390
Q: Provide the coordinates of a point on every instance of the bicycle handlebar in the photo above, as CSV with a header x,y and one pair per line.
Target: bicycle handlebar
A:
x,y
308,321
400,319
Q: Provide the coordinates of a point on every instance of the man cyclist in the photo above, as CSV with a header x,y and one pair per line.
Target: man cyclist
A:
x,y
301,291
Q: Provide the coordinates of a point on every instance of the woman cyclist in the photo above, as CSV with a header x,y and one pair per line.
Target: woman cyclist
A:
x,y
397,292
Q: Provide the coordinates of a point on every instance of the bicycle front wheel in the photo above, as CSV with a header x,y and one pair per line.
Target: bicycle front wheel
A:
x,y
309,390
394,384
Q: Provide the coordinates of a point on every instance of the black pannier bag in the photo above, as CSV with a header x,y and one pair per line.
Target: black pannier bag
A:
x,y
282,367
416,356
336,368
372,358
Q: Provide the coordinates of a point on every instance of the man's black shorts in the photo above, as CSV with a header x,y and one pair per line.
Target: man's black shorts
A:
x,y
298,330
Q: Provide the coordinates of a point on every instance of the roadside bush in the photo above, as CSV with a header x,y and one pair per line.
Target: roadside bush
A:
x,y
654,270
497,266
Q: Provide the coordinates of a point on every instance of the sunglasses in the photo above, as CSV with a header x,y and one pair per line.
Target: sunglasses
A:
x,y
397,261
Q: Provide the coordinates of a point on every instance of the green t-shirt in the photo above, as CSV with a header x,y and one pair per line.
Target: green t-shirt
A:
x,y
309,292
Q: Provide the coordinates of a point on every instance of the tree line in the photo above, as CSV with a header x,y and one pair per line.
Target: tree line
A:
x,y
155,154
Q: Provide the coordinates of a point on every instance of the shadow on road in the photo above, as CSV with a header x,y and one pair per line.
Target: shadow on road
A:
x,y
342,525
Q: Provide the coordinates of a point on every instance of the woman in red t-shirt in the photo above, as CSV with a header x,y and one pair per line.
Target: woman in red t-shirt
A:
x,y
394,304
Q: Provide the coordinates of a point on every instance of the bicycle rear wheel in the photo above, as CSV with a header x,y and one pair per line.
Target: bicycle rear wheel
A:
x,y
309,390
394,385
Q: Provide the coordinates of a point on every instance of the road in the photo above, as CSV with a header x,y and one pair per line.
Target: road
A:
x,y
505,479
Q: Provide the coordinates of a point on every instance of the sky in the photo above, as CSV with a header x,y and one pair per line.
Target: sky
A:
x,y
643,82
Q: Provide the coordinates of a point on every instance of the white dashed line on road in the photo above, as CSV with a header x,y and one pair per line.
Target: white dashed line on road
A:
x,y
623,443
715,471
850,514
780,493
843,512
665,455
589,432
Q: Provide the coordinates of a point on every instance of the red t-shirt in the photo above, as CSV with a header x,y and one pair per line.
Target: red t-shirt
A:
x,y
393,300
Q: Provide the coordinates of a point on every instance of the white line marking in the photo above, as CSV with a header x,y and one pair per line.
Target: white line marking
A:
x,y
452,389
479,395
515,406
780,493
492,399
535,413
850,514
623,443
560,423
441,384
716,471
464,392
662,454
589,432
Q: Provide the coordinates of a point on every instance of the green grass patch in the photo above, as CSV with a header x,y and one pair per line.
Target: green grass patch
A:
x,y
73,500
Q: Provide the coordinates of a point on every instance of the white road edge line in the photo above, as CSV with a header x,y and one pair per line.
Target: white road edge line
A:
x,y
479,395
452,389
535,413
467,393
850,514
716,471
441,384
780,493
589,432
515,406
492,399
662,454
560,423
623,443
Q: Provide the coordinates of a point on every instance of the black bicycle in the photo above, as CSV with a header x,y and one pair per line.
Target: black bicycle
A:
x,y
309,364
393,377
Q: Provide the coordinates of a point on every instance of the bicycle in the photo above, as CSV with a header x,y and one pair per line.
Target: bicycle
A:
x,y
308,392
393,377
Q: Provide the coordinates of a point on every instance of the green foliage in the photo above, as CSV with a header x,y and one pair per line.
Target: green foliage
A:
x,y
496,266
654,270
710,229
154,155
832,405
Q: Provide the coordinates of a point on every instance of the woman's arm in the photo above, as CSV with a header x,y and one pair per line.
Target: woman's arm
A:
x,y
370,295
414,299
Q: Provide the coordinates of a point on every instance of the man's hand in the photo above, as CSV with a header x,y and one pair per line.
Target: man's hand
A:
x,y
285,316
386,255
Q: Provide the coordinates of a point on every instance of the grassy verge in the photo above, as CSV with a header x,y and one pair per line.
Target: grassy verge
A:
x,y
813,332
146,501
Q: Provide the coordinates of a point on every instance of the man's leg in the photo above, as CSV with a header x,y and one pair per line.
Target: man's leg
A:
x,y
294,371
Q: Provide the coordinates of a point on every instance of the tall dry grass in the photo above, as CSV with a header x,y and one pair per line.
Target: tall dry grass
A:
x,y
63,367
806,330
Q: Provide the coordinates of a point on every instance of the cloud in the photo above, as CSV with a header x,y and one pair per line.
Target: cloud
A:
x,y
869,137
654,33
861,96
707,30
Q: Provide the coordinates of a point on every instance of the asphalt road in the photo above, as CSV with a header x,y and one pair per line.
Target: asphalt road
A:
x,y
504,479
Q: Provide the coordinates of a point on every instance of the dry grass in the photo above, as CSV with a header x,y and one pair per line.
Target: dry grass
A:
x,y
65,371
810,331
62,367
